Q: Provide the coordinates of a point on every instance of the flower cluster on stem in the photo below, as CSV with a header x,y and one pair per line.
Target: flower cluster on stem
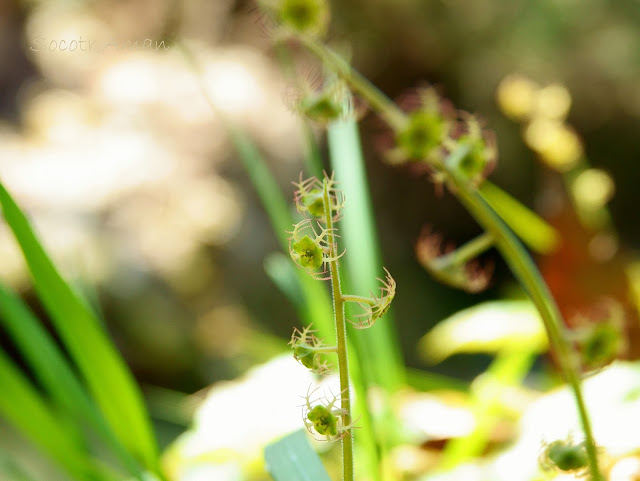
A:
x,y
313,247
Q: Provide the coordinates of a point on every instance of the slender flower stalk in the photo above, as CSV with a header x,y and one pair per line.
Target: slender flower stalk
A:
x,y
313,247
341,336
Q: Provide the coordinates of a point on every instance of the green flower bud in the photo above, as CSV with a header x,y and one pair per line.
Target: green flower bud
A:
x,y
323,420
314,203
306,253
309,198
566,456
305,355
310,351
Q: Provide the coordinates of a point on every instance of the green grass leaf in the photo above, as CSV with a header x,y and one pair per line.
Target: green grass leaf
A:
x,y
529,226
53,371
107,376
23,407
293,459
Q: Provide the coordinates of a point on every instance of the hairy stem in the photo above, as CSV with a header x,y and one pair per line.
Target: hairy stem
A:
x,y
511,249
341,336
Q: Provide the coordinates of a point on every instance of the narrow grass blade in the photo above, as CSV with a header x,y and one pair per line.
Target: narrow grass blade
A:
x,y
293,459
53,371
23,407
529,226
270,194
105,372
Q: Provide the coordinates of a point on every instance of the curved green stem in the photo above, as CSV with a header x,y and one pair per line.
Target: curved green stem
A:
x,y
527,273
341,336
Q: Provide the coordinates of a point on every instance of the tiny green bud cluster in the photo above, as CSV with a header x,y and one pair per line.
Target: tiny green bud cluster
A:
x,y
321,107
319,100
432,131
311,244
424,132
326,104
313,247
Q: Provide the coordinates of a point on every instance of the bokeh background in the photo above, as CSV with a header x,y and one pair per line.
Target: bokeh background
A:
x,y
137,191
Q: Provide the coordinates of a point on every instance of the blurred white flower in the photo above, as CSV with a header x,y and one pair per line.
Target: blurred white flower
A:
x,y
238,418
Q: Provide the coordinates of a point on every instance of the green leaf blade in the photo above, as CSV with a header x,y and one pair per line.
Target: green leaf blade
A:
x,y
53,371
106,374
529,226
293,459
23,407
